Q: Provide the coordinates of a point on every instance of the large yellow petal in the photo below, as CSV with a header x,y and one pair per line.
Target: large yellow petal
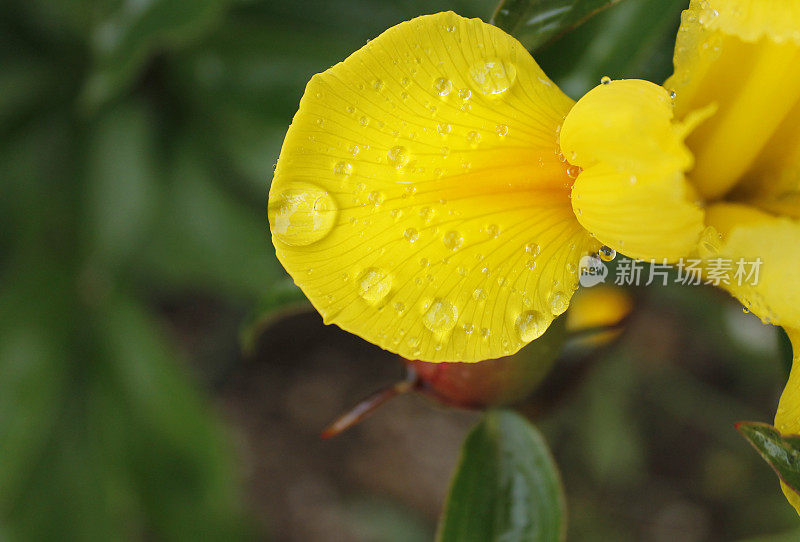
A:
x,y
751,235
632,194
743,56
420,200
787,419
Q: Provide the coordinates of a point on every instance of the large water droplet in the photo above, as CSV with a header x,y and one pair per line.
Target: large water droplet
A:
x,y
398,156
452,240
558,302
301,214
411,235
441,316
374,284
443,86
530,325
492,77
606,253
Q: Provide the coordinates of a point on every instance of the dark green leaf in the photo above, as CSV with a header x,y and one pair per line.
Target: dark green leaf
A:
x,y
122,189
781,452
206,238
634,39
535,22
282,299
506,488
122,41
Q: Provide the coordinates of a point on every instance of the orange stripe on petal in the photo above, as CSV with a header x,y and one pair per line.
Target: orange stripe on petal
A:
x,y
420,200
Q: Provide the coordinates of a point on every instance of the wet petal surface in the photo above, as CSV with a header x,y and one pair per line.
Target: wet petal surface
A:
x,y
436,221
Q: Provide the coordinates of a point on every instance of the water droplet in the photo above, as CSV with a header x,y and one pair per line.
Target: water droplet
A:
x,y
493,230
443,86
468,328
302,214
426,214
452,240
502,130
530,264
450,28
343,168
492,77
486,332
533,249
606,253
423,262
444,129
377,84
464,93
558,302
672,94
441,316
374,284
411,235
710,242
530,325
573,171
605,80
398,156
363,121
479,294
473,138
376,198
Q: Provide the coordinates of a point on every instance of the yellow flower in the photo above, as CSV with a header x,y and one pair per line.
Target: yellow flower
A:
x,y
436,191
743,56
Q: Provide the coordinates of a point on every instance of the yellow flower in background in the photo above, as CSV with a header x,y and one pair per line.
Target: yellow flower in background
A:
x,y
743,56
436,191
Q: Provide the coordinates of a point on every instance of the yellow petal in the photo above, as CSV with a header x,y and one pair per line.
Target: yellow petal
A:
x,y
420,200
787,419
751,235
743,56
632,194
773,182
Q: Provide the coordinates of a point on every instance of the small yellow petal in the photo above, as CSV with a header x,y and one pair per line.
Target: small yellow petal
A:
x,y
773,182
420,199
750,235
787,419
632,194
743,56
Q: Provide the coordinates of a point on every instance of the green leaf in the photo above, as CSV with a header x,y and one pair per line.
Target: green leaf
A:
x,y
535,22
282,299
122,192
625,41
207,238
506,487
781,452
123,41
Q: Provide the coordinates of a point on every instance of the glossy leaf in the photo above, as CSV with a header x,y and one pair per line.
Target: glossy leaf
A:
x,y
506,487
781,452
535,22
625,41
